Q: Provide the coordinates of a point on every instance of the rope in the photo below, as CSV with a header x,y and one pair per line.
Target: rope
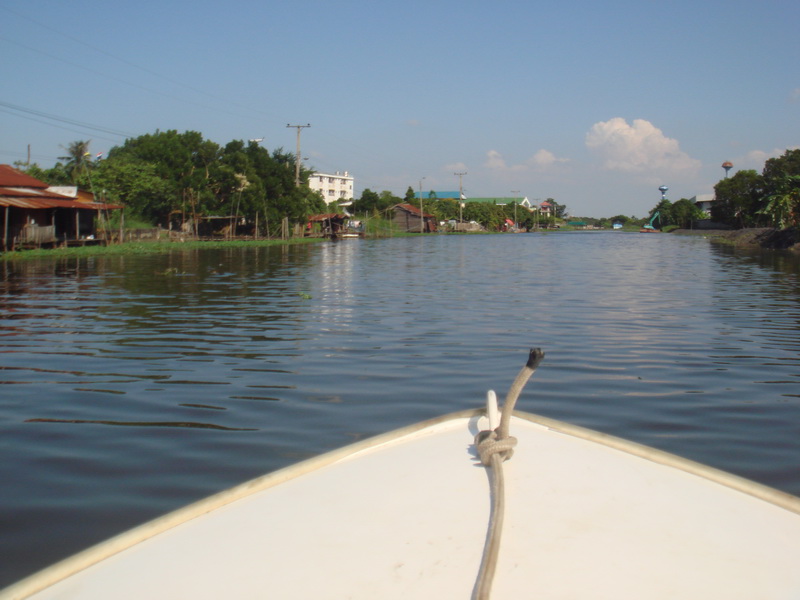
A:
x,y
494,448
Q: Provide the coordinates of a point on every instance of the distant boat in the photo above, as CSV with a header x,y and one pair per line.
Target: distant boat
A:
x,y
408,514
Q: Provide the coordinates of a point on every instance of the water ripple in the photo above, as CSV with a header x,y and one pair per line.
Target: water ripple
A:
x,y
133,385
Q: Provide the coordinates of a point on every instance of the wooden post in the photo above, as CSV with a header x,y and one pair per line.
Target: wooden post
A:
x,y
5,231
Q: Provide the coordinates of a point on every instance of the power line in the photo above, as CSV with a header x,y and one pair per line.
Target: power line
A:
x,y
135,85
58,119
129,63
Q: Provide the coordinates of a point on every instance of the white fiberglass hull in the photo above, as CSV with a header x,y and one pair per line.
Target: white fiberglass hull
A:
x,y
405,515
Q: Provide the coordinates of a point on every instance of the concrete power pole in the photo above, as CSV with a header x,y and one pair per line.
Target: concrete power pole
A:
x,y
297,158
460,196
516,193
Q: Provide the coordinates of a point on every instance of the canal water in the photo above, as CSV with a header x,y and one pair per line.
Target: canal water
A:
x,y
133,385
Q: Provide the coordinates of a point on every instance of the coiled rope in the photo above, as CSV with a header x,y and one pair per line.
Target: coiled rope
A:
x,y
494,447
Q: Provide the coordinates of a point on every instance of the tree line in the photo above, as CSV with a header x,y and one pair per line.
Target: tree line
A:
x,y
748,199
491,216
176,178
170,177
769,199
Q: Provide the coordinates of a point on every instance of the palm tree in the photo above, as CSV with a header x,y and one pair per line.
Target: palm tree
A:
x,y
77,154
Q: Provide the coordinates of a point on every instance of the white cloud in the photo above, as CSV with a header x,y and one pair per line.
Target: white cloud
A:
x,y
542,160
640,147
755,159
495,161
455,167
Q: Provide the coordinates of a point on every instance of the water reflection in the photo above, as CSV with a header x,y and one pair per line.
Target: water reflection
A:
x,y
143,423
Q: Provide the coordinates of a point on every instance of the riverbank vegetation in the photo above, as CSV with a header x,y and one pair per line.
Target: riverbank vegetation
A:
x,y
152,247
748,199
183,182
177,180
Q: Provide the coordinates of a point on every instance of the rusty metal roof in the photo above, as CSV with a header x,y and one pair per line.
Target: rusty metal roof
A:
x,y
11,177
411,209
23,191
39,203
31,200
326,217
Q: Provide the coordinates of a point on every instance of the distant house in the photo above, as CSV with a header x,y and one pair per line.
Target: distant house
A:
x,y
33,214
496,200
504,201
407,218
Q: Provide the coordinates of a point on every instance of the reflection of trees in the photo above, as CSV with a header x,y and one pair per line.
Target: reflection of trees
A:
x,y
159,292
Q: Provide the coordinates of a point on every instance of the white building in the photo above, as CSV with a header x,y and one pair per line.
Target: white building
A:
x,y
333,187
703,202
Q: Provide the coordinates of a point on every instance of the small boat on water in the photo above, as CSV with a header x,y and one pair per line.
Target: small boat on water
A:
x,y
477,503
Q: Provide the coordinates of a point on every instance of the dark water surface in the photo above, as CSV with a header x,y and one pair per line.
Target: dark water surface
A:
x,y
130,386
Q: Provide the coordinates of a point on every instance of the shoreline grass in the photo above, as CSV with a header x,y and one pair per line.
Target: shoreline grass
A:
x,y
160,247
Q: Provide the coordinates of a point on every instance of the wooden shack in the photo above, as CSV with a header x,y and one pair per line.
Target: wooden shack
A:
x,y
407,218
325,225
32,214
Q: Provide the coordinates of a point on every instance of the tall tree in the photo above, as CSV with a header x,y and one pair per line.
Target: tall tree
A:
x,y
369,202
684,212
786,164
137,185
738,199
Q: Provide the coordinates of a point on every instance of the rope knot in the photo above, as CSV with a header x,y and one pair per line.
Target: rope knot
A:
x,y
488,444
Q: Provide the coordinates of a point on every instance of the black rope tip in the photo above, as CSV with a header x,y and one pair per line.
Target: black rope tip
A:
x,y
535,357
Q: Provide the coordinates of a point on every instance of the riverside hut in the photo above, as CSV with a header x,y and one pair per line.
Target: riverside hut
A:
x,y
407,218
32,214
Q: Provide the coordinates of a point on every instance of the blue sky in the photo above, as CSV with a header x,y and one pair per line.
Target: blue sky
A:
x,y
594,104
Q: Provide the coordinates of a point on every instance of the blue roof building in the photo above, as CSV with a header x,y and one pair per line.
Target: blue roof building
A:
x,y
437,195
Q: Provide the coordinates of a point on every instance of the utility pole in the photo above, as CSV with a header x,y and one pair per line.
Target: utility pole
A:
x,y
460,195
297,157
421,214
515,192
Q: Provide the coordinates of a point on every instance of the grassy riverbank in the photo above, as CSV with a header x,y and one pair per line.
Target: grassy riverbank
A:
x,y
130,248
767,238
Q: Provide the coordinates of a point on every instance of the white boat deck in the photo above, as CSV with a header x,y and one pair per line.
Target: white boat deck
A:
x,y
406,515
